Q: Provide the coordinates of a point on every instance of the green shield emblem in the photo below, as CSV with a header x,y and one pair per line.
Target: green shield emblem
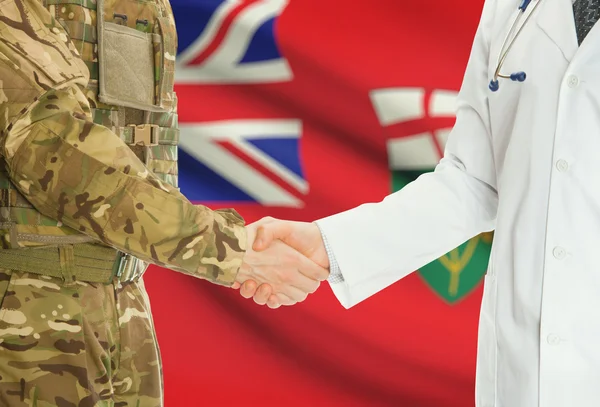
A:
x,y
454,275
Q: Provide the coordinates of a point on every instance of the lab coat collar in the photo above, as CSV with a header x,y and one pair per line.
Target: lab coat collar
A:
x,y
556,20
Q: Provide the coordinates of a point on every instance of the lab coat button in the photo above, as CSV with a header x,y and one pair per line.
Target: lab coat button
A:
x,y
572,81
559,253
562,165
553,339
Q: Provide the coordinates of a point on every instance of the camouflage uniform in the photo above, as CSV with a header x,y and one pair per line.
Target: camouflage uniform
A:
x,y
88,197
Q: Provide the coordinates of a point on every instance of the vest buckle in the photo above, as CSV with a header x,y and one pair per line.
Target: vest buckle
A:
x,y
144,134
126,268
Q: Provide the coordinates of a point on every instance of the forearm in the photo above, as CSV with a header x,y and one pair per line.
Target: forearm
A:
x,y
378,244
84,176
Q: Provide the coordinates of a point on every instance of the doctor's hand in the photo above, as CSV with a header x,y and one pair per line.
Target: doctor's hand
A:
x,y
305,237
288,274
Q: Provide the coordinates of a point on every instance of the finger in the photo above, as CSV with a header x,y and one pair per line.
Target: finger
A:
x,y
289,275
236,286
273,302
310,269
248,288
294,293
268,232
290,272
277,300
263,293
303,283
285,300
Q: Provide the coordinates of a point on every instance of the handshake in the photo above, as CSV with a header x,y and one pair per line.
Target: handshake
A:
x,y
284,262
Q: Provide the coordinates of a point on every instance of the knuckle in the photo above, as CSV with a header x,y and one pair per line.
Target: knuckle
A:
x,y
246,293
264,290
315,273
260,232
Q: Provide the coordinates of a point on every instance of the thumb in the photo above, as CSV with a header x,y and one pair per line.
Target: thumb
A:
x,y
266,233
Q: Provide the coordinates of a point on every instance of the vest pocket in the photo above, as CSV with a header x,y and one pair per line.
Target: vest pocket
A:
x,y
136,64
126,67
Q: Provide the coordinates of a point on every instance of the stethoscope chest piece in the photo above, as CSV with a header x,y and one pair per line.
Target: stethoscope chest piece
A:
x,y
507,45
515,77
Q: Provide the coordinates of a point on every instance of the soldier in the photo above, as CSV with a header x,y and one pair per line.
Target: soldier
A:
x,y
88,197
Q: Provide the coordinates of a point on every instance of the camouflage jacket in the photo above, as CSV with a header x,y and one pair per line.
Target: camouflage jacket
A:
x,y
80,173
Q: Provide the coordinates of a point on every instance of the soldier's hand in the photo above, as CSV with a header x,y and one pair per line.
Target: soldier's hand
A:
x,y
284,272
302,236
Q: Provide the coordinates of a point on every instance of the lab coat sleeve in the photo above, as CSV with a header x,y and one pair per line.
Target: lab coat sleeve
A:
x,y
377,244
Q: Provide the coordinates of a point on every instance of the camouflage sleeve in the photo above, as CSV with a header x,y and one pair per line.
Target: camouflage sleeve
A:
x,y
81,173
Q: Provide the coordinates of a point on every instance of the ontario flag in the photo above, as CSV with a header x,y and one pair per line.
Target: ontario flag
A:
x,y
300,109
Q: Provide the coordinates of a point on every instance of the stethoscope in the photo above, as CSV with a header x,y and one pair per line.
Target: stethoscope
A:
x,y
506,46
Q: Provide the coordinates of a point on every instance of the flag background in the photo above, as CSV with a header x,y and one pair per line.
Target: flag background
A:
x,y
323,61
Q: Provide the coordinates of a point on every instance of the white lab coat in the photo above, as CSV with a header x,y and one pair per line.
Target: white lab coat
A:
x,y
524,161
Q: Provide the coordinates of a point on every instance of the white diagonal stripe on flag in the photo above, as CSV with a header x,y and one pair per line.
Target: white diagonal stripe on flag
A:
x,y
209,32
278,169
199,140
223,66
250,128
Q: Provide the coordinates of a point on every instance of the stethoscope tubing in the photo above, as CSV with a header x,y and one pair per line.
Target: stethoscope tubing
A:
x,y
507,45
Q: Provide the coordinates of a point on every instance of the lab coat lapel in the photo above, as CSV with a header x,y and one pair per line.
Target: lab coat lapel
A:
x,y
556,20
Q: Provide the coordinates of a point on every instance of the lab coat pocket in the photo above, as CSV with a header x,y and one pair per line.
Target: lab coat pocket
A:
x,y
485,392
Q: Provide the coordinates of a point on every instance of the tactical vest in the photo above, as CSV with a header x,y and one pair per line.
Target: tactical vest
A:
x,y
129,47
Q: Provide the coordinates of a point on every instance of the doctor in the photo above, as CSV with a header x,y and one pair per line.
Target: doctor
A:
x,y
523,159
